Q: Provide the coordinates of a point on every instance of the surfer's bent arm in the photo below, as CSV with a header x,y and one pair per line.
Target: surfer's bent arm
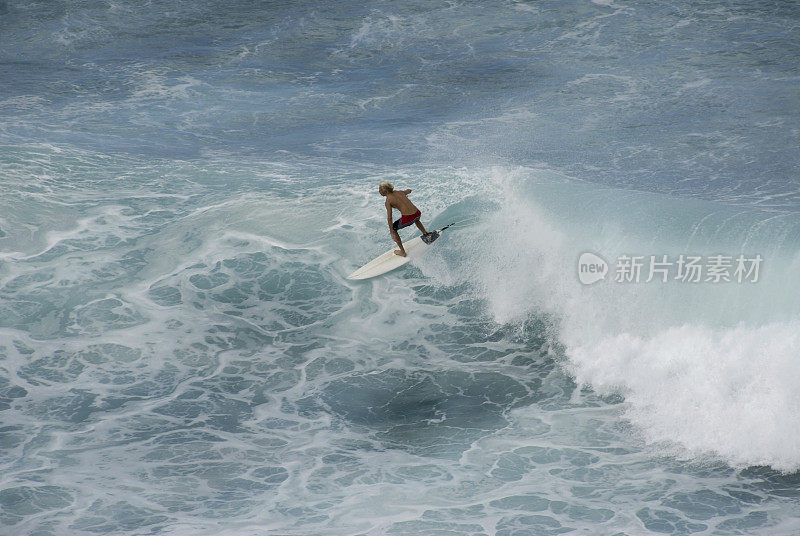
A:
x,y
407,191
389,214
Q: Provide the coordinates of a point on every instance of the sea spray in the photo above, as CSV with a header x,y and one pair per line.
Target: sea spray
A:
x,y
699,366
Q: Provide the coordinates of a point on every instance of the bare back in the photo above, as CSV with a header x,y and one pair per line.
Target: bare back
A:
x,y
398,200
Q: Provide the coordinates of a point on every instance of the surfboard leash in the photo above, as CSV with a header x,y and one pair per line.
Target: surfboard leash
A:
x,y
460,223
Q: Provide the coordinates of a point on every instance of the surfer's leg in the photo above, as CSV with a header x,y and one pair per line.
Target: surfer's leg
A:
x,y
421,227
396,238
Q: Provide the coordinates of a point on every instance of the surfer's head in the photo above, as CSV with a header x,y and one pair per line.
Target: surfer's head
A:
x,y
385,188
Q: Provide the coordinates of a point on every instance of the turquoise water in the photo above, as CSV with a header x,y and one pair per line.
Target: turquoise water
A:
x,y
186,186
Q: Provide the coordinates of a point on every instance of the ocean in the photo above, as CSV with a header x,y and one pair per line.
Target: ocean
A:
x,y
607,342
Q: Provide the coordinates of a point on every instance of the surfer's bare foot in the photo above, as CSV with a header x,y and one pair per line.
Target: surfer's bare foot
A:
x,y
401,253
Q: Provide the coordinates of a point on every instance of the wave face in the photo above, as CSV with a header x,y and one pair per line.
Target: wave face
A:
x,y
704,366
185,186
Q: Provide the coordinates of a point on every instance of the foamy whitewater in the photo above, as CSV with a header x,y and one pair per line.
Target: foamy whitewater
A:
x,y
185,186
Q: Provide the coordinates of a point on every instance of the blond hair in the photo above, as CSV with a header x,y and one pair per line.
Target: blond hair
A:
x,y
385,185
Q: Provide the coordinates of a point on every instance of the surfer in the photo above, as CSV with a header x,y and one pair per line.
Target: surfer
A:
x,y
408,213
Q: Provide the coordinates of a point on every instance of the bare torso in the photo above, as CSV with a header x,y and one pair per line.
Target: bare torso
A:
x,y
398,200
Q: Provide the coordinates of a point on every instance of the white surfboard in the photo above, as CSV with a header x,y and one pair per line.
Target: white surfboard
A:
x,y
415,248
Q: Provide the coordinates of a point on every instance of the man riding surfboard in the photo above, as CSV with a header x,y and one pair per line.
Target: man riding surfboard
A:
x,y
408,213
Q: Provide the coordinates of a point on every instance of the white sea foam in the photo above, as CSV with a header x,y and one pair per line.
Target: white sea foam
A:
x,y
728,391
703,369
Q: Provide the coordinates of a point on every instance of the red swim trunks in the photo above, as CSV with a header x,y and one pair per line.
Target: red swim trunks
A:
x,y
405,220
